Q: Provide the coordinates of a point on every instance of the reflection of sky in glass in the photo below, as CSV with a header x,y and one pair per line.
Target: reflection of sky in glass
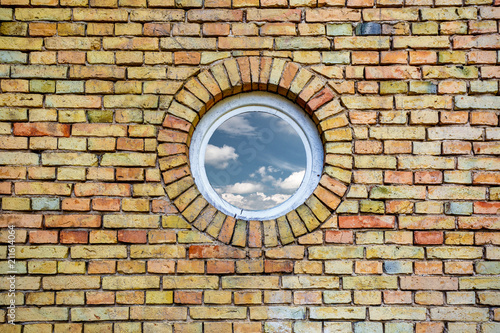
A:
x,y
255,160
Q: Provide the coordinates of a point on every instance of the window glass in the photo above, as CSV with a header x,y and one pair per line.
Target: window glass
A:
x,y
255,160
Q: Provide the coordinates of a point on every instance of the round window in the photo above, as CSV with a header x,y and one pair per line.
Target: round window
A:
x,y
256,156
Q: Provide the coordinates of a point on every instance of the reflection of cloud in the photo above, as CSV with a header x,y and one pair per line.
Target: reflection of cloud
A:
x,y
292,182
238,125
244,188
262,172
219,157
285,165
255,201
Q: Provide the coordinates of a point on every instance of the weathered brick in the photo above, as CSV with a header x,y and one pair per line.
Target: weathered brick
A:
x,y
338,312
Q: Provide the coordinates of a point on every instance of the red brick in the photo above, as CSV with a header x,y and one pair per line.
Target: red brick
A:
x,y
398,206
428,177
171,149
216,29
368,147
278,266
487,207
454,117
397,147
307,297
363,117
428,237
187,297
360,3
132,236
72,221
71,57
459,267
368,267
102,267
74,237
364,58
187,58
397,297
21,220
255,234
287,77
41,129
366,221
12,173
367,87
100,297
482,57
274,15
392,72
163,206
426,327
456,147
172,175
43,236
423,57
320,99
161,266
246,79
339,236
483,238
106,204
73,204
220,267
157,29
130,174
483,118
394,57
176,123
5,188
327,197
130,144
428,267
215,252
265,71
227,229
398,177
172,136
333,185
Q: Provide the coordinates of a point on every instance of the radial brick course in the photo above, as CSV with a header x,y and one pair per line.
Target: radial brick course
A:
x,y
99,100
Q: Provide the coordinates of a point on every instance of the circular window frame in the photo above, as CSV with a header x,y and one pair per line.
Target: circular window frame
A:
x,y
276,105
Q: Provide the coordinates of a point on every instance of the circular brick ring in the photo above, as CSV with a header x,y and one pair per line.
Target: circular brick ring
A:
x,y
306,87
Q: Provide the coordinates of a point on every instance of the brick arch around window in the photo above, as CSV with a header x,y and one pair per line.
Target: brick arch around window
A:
x,y
312,89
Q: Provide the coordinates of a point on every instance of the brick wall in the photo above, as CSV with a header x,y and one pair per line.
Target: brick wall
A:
x,y
99,100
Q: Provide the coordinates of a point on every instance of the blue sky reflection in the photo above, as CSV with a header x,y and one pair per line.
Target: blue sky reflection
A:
x,y
255,160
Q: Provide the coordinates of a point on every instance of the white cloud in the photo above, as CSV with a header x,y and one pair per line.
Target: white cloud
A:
x,y
238,125
219,157
234,199
244,188
255,201
292,182
263,173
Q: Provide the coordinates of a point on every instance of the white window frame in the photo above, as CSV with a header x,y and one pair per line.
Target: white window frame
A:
x,y
261,102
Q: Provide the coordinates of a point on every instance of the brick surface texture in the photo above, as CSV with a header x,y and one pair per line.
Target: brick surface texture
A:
x,y
98,102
